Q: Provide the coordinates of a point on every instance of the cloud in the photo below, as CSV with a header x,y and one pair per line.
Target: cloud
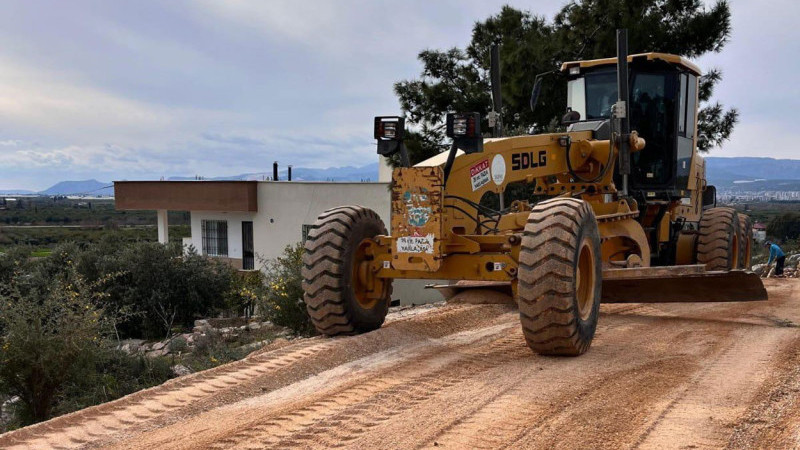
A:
x,y
145,89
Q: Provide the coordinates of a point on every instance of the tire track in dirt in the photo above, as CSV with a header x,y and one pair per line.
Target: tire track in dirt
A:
x,y
349,390
355,423
609,409
702,412
189,395
774,422
657,375
552,392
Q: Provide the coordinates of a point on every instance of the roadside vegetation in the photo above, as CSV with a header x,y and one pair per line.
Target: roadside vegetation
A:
x,y
64,316
42,222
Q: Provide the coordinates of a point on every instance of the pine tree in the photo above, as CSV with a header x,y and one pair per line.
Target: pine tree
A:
x,y
458,79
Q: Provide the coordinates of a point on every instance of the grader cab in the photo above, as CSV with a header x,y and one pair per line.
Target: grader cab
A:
x,y
611,215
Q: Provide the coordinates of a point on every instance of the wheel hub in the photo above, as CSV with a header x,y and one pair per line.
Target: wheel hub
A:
x,y
367,288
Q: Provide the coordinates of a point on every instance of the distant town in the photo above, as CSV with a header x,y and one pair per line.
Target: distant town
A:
x,y
737,196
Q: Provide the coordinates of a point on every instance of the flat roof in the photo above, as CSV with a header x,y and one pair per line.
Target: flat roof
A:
x,y
187,195
672,59
202,195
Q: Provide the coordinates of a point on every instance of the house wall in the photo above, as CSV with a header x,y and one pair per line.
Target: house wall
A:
x,y
234,220
283,209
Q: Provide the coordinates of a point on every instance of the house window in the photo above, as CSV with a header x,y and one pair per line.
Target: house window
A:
x,y
215,237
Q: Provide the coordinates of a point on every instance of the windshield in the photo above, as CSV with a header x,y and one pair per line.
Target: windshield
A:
x,y
593,95
651,114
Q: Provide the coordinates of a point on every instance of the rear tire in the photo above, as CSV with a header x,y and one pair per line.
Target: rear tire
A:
x,y
560,277
745,241
718,242
330,283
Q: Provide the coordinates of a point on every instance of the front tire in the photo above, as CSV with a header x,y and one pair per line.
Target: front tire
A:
x,y
745,241
718,242
560,277
334,292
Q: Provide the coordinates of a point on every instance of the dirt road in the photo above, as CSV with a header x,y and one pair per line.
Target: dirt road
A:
x,y
461,376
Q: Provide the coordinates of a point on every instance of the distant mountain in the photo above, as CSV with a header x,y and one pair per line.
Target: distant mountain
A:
x,y
724,171
347,173
739,173
85,187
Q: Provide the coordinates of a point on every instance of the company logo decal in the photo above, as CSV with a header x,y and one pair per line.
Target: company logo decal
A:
x,y
498,169
528,160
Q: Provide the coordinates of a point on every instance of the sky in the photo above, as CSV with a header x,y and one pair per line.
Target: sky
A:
x,y
117,90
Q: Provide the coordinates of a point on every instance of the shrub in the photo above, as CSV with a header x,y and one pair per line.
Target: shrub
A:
x,y
178,345
51,335
247,291
784,227
283,303
114,375
148,288
156,288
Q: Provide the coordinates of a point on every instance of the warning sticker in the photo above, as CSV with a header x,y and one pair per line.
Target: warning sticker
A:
x,y
479,174
415,244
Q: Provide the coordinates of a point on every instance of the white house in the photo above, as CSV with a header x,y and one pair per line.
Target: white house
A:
x,y
759,232
244,222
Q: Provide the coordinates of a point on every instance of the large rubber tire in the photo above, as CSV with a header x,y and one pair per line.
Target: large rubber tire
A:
x,y
328,259
560,277
745,241
718,242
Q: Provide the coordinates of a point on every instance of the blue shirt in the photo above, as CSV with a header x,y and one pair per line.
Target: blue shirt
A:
x,y
774,253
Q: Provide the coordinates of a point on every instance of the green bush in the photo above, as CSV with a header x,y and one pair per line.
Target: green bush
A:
x,y
247,290
114,375
51,335
155,287
784,227
283,303
148,288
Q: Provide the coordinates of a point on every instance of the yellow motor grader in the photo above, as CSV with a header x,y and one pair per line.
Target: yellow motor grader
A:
x,y
609,218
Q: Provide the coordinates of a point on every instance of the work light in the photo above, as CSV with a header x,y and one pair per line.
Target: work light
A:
x,y
463,125
389,128
465,129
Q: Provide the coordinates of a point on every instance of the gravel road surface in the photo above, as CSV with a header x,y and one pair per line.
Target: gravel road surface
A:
x,y
702,375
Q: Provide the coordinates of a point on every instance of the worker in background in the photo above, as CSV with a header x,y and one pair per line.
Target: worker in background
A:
x,y
776,254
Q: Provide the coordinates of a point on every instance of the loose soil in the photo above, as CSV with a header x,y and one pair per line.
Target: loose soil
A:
x,y
460,376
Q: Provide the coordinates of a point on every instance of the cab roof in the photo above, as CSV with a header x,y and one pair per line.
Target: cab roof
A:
x,y
672,59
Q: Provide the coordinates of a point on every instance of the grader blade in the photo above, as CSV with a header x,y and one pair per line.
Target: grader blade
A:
x,y
449,291
676,284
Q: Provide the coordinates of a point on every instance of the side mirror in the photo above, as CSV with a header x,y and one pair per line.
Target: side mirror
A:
x,y
709,197
537,88
570,117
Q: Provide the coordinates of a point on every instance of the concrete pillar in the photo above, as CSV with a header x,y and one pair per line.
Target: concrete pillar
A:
x,y
163,226
384,170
